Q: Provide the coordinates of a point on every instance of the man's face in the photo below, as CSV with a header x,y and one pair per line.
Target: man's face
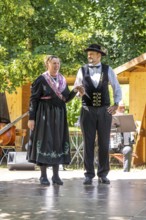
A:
x,y
93,57
121,109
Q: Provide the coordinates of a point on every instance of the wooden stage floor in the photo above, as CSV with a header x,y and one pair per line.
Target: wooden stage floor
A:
x,y
22,197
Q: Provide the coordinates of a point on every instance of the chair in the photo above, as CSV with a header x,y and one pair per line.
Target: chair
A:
x,y
20,134
19,141
76,141
117,140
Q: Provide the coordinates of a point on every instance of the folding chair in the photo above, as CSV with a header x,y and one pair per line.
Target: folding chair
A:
x,y
20,134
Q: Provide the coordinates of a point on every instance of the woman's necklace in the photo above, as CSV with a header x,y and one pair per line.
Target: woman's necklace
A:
x,y
54,79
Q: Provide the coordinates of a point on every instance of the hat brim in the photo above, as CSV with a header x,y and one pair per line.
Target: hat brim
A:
x,y
96,50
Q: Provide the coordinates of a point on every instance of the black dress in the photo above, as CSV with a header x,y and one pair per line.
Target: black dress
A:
x,y
49,141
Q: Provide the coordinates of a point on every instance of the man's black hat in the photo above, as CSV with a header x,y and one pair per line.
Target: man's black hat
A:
x,y
96,48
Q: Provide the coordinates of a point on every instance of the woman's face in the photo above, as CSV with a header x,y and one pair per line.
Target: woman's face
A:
x,y
53,66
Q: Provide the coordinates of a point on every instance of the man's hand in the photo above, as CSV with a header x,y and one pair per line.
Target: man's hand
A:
x,y
31,124
80,89
112,109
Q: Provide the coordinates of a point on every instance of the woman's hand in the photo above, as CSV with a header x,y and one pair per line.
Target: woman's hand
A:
x,y
31,124
80,89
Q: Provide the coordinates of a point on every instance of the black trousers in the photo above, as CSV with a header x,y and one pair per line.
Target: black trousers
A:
x,y
96,120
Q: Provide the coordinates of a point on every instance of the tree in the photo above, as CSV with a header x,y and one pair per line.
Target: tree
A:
x,y
125,29
31,29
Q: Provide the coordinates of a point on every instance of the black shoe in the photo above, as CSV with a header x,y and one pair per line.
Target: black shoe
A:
x,y
87,181
57,181
44,181
103,180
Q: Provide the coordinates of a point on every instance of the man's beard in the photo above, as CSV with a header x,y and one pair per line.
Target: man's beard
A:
x,y
90,60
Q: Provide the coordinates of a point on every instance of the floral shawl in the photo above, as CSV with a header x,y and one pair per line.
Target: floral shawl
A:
x,y
57,85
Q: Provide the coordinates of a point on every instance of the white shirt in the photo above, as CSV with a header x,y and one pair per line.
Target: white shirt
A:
x,y
95,77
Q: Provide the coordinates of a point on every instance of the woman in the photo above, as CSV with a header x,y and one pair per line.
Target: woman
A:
x,y
49,139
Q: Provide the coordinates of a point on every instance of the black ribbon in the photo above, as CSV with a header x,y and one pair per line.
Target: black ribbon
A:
x,y
94,67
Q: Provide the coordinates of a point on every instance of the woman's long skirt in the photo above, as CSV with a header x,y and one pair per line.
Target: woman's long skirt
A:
x,y
49,141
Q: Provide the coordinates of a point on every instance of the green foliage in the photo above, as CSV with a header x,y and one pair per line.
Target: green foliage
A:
x,y
125,25
73,111
31,29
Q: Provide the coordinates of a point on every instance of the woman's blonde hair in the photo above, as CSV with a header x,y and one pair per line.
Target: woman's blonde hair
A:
x,y
48,58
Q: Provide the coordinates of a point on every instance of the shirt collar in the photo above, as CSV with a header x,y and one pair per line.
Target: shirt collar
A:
x,y
98,64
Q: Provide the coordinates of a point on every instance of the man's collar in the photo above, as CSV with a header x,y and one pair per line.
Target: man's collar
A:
x,y
98,64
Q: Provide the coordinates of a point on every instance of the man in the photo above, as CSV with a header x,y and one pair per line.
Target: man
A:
x,y
126,140
96,112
